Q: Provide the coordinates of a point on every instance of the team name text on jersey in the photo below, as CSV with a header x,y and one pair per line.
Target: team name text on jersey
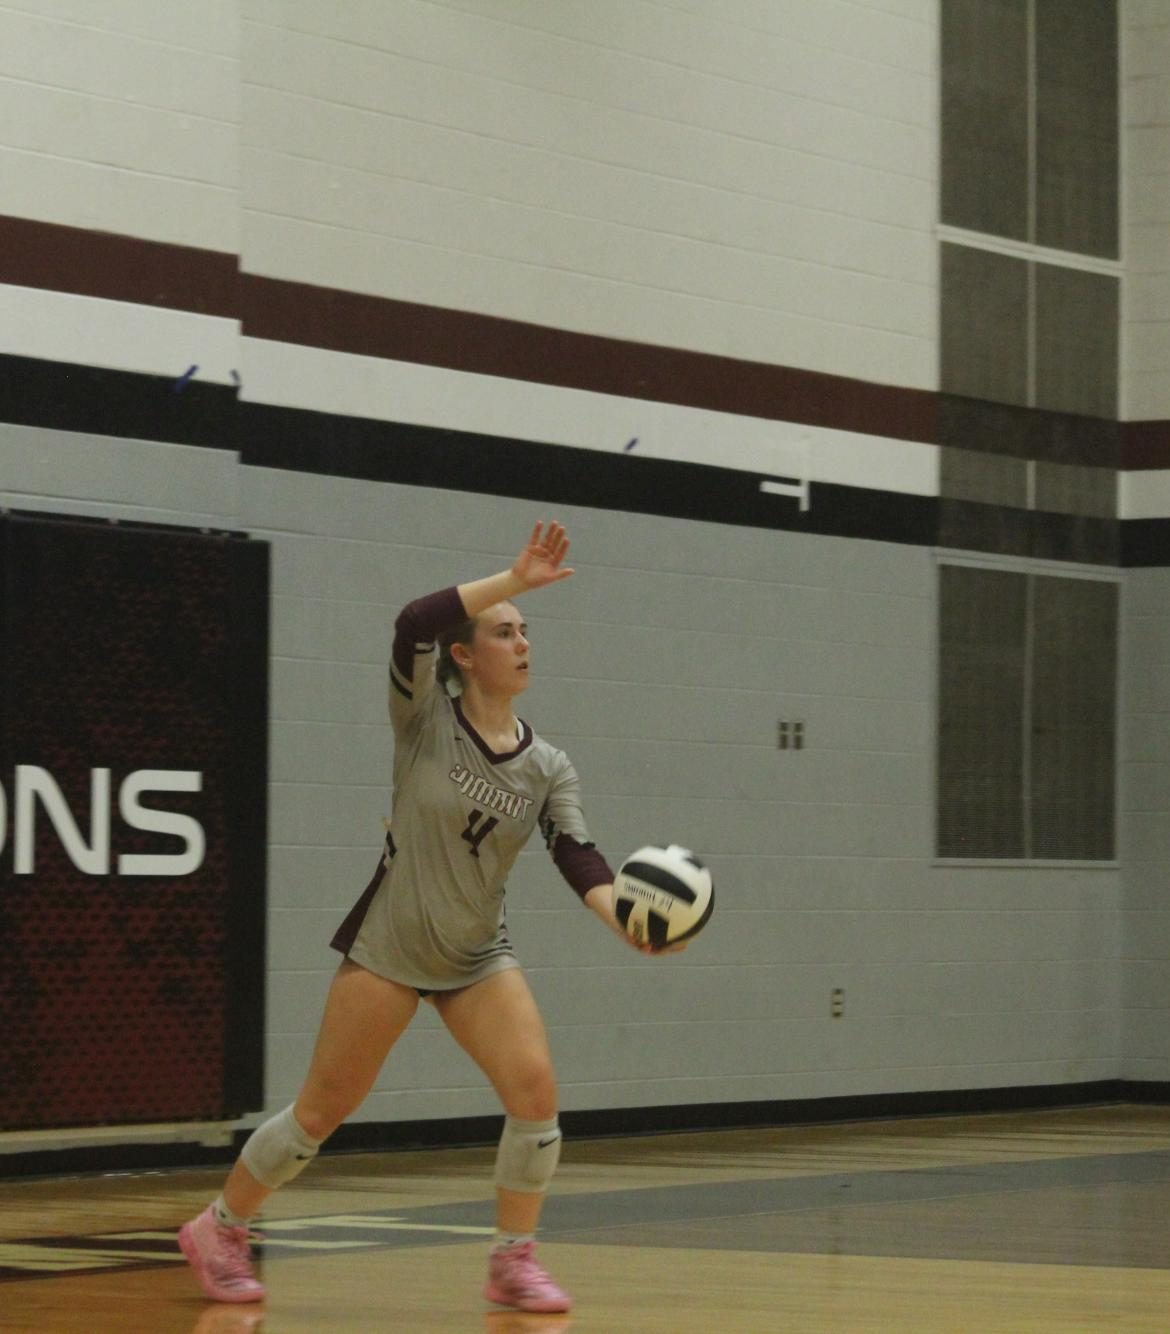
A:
x,y
492,798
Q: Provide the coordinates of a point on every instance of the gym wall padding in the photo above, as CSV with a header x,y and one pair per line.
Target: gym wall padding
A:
x,y
133,758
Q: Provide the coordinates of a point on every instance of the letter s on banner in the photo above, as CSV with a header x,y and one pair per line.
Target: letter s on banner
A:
x,y
161,822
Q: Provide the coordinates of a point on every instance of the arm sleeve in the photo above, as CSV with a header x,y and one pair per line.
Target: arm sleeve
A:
x,y
413,656
563,825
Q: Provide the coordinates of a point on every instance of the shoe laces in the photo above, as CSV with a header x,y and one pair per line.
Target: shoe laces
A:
x,y
524,1269
232,1256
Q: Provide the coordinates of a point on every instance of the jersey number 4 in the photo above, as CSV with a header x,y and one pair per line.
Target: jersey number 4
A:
x,y
478,828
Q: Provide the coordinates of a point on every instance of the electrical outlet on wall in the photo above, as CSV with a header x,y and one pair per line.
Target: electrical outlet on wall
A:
x,y
790,734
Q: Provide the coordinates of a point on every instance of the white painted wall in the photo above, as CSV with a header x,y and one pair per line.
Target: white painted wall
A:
x,y
754,181
122,116
116,335
750,181
1146,179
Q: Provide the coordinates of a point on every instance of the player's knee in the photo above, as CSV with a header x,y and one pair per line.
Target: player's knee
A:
x,y
323,1104
320,1119
280,1149
532,1094
528,1154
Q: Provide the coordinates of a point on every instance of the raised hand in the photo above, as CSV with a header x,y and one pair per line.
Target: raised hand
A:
x,y
540,562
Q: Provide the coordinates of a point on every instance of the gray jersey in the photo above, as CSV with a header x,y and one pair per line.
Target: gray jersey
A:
x,y
433,917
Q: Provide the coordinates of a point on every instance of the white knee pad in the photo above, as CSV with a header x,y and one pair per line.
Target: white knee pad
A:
x,y
278,1150
528,1154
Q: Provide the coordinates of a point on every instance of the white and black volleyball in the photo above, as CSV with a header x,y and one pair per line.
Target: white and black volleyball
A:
x,y
663,895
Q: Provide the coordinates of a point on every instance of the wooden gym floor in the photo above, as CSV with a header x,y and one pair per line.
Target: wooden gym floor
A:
x,y
1030,1223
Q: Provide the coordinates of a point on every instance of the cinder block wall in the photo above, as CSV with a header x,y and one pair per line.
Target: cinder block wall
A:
x,y
1146,494
734,179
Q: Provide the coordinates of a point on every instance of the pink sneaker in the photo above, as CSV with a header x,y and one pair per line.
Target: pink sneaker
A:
x,y
221,1259
516,1279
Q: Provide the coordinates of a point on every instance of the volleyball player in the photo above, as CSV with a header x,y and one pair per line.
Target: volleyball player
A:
x,y
471,783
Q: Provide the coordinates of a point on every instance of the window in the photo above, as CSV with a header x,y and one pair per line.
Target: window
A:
x,y
1026,714
1029,121
1030,278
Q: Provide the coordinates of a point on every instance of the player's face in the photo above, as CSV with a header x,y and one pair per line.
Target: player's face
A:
x,y
499,651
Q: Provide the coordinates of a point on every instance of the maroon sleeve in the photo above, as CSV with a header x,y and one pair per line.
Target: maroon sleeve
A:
x,y
421,622
581,864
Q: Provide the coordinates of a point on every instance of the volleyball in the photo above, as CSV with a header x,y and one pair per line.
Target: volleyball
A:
x,y
663,895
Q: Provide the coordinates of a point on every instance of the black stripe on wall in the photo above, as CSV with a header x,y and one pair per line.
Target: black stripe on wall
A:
x,y
1037,534
464,461
145,407
1145,542
127,405
64,397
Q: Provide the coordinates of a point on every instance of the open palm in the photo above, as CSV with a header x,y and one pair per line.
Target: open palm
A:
x,y
541,561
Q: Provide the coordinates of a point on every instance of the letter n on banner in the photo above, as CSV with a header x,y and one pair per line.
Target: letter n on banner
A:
x,y
133,770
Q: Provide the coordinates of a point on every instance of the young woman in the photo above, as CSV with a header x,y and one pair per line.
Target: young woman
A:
x,y
471,783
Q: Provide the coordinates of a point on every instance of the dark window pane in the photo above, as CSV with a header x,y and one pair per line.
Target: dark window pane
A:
x,y
983,322
991,479
1074,683
1077,126
981,709
1064,488
984,131
1076,341
1028,433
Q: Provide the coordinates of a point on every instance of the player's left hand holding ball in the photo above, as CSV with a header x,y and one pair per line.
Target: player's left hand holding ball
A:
x,y
601,899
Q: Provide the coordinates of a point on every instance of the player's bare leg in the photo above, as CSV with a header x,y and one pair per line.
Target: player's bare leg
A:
x,y
497,1023
364,1016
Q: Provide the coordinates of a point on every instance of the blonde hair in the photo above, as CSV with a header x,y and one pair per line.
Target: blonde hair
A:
x,y
447,669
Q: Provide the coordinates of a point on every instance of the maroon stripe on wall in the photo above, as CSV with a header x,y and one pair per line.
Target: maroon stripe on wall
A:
x,y
57,258
120,268
489,345
1145,444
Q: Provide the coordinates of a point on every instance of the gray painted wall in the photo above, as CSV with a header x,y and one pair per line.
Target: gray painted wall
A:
x,y
662,668
1145,826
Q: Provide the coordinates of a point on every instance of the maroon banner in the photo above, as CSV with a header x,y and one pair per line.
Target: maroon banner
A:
x,y
133,723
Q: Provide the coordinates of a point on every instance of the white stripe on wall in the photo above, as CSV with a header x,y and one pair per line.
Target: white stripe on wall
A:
x,y
337,382
116,335
1143,495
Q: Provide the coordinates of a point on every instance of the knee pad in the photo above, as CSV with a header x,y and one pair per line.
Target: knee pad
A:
x,y
279,1150
528,1154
